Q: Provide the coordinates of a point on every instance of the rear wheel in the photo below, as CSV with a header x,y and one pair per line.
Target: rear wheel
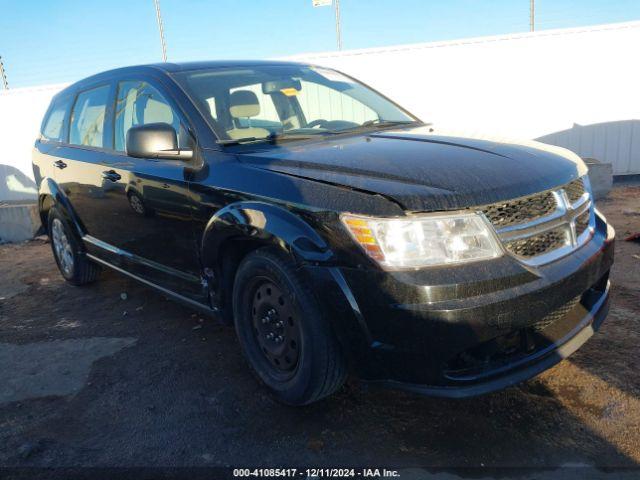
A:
x,y
286,340
73,265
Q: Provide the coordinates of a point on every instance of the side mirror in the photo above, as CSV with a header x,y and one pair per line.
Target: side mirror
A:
x,y
155,140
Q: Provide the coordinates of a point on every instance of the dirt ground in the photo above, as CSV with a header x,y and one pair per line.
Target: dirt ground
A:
x,y
115,375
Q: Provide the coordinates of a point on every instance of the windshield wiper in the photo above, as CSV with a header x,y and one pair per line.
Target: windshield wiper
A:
x,y
236,141
273,138
279,137
378,124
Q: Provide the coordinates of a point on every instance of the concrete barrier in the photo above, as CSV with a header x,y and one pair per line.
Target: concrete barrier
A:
x,y
19,219
18,222
600,176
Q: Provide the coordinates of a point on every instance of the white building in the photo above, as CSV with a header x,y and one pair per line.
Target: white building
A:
x,y
578,88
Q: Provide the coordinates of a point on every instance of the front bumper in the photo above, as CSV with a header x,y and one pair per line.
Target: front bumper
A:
x,y
469,330
524,368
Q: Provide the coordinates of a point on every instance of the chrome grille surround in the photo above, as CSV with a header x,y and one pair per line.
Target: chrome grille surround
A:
x,y
582,222
549,234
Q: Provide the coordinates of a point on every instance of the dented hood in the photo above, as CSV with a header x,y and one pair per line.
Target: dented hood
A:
x,y
423,171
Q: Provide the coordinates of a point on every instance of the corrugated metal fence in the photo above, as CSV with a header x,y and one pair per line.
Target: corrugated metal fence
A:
x,y
614,142
577,88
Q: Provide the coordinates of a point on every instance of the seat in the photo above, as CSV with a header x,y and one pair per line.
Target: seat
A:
x,y
244,104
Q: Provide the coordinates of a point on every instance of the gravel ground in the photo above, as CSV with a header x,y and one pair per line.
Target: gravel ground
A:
x,y
115,375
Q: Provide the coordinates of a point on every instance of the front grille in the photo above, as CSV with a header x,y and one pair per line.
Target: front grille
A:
x,y
541,227
555,315
574,190
538,244
519,211
582,222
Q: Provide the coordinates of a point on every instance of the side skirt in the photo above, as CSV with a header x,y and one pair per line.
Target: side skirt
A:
x,y
176,296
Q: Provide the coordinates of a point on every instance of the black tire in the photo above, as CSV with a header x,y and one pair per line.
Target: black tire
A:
x,y
320,367
82,271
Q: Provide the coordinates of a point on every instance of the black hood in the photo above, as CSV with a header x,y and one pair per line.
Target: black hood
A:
x,y
425,172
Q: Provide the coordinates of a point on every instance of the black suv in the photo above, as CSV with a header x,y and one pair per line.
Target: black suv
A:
x,y
337,231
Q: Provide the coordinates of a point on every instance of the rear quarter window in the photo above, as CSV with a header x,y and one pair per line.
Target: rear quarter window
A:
x,y
53,124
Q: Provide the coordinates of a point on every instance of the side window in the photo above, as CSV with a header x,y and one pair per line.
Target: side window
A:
x,y
139,103
53,126
87,119
319,101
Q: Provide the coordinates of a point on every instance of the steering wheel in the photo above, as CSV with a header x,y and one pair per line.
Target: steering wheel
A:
x,y
318,123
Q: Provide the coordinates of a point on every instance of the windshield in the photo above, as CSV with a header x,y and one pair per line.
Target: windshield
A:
x,y
273,101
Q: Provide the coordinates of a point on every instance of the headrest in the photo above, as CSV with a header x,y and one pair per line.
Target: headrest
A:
x,y
244,103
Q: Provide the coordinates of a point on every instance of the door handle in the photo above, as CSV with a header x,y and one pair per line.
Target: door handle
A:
x,y
59,164
111,175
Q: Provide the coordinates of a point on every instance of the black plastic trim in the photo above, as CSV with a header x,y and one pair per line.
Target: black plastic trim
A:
x,y
558,352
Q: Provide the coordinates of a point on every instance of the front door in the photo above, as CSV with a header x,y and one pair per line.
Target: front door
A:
x,y
151,207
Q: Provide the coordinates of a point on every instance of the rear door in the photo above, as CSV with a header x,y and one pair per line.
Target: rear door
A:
x,y
79,158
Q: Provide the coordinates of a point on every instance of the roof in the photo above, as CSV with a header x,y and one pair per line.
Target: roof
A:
x,y
176,67
203,65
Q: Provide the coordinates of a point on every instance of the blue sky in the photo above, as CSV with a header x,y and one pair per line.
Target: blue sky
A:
x,y
64,40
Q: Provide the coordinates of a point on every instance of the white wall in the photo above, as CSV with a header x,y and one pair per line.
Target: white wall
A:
x,y
527,85
21,111
531,85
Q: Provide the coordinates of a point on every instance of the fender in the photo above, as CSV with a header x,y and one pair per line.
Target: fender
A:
x,y
265,222
278,226
50,189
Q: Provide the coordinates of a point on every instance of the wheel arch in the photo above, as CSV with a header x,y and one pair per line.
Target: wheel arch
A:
x,y
267,224
51,195
242,227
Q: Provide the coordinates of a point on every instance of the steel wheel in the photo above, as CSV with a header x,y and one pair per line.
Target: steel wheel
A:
x,y
276,328
282,329
62,247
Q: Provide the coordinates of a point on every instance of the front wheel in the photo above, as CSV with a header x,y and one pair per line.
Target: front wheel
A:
x,y
281,329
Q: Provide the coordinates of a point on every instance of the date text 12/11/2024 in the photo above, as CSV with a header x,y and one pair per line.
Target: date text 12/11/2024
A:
x,y
316,472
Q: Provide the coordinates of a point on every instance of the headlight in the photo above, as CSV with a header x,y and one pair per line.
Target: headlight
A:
x,y
424,240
